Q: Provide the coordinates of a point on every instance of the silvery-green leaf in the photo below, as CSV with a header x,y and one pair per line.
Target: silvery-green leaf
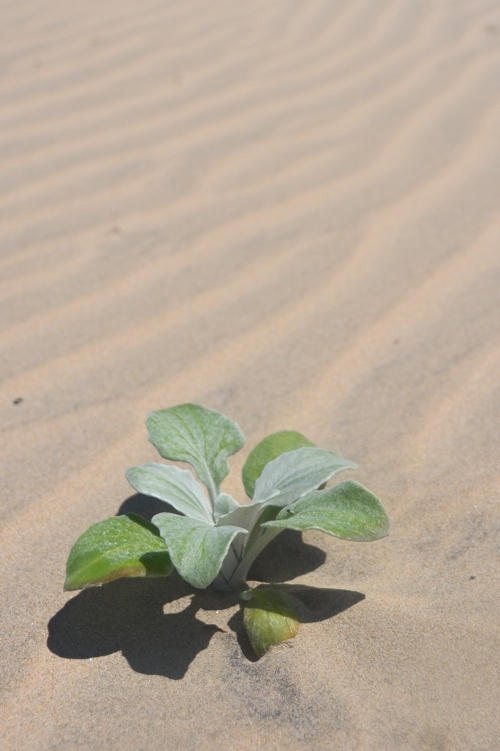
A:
x,y
242,516
122,546
269,617
197,435
224,504
176,486
348,511
268,449
295,473
197,549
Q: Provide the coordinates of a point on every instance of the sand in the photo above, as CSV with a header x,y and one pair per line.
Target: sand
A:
x,y
288,211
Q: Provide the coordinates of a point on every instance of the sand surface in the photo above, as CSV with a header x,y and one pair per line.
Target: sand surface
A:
x,y
289,211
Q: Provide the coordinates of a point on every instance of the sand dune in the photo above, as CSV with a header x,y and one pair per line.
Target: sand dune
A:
x,y
288,211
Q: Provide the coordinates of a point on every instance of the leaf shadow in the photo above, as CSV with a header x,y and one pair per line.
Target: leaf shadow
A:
x,y
127,615
144,505
313,603
286,557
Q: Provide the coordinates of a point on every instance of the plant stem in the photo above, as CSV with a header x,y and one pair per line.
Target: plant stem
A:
x,y
241,571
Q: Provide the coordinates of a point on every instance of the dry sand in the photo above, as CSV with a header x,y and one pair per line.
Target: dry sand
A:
x,y
289,211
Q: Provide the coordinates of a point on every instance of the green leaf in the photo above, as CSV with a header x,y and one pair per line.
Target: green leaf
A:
x,y
270,617
114,548
268,449
348,511
173,485
295,473
197,549
197,435
224,504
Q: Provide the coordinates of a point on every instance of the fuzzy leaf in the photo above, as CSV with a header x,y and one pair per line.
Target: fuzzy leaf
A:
x,y
268,449
224,504
197,435
269,618
115,548
244,516
173,485
197,549
348,511
295,473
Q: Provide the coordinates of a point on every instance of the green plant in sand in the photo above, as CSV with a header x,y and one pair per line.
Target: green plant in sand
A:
x,y
210,538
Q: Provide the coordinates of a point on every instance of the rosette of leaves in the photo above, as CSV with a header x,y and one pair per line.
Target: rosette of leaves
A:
x,y
209,537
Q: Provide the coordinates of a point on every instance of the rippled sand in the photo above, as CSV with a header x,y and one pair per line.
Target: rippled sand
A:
x,y
288,211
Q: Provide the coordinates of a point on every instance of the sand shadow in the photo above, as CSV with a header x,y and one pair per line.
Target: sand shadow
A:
x,y
127,615
145,506
285,558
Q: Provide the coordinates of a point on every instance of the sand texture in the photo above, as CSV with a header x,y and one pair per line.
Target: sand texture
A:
x,y
288,211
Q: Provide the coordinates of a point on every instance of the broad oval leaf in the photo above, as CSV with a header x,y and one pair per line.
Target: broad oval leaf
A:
x,y
224,504
202,437
197,549
266,451
295,473
114,548
348,511
173,485
269,617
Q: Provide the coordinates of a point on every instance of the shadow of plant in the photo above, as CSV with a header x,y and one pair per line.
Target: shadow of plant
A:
x,y
145,506
127,615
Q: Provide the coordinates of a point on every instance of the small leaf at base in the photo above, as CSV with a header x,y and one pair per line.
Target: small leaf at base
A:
x,y
269,617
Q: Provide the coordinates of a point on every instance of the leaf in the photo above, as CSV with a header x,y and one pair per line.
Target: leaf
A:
x,y
268,449
197,549
270,617
224,504
295,473
173,485
114,548
244,516
348,511
197,435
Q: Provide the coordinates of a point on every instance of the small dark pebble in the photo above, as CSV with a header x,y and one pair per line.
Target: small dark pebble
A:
x,y
472,577
19,400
